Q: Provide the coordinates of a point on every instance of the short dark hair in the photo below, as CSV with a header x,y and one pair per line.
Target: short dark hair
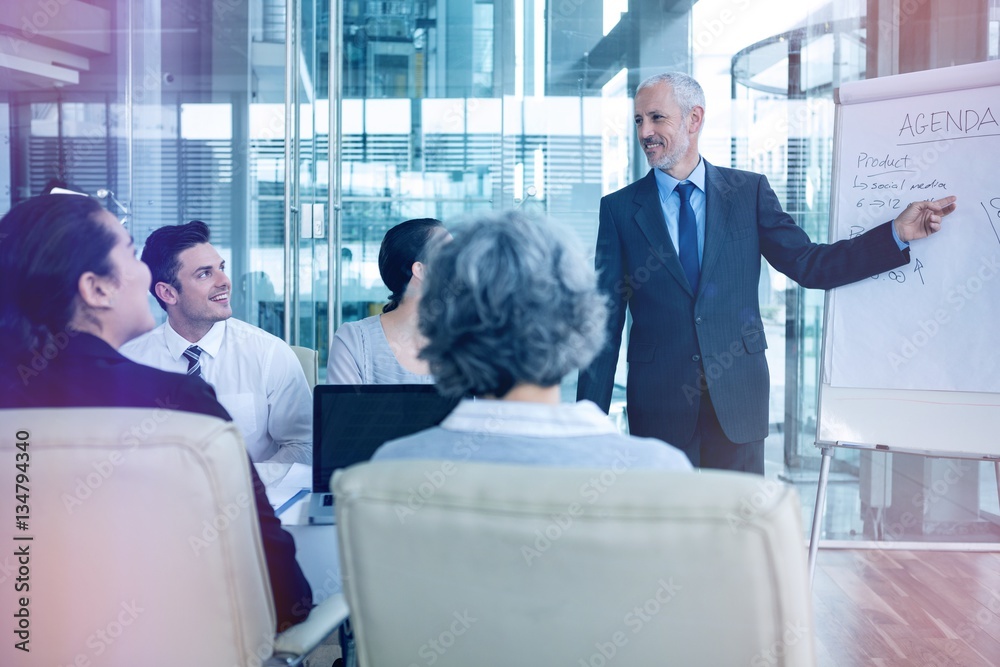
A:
x,y
403,245
46,244
164,246
509,300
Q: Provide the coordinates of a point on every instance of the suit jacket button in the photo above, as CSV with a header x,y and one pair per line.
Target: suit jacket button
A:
x,y
696,358
697,320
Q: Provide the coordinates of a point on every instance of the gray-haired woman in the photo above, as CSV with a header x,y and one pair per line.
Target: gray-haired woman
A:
x,y
509,308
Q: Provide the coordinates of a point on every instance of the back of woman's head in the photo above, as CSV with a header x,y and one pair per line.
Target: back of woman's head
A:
x,y
46,244
403,245
510,300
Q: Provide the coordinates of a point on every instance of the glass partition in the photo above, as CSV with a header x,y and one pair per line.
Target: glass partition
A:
x,y
448,108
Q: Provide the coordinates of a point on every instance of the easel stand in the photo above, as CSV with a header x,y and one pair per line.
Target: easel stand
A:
x,y
908,361
819,512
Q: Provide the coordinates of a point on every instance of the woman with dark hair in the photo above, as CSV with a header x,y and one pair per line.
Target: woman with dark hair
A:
x,y
68,268
72,292
383,349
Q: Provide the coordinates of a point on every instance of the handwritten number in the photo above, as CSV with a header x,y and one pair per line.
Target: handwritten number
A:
x,y
895,276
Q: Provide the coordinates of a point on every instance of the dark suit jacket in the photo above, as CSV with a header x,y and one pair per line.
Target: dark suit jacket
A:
x,y
90,373
681,343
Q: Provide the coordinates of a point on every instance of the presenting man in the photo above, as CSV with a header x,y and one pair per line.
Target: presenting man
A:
x,y
256,375
681,248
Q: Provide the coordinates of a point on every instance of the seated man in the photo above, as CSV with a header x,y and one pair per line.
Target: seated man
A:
x,y
256,375
510,307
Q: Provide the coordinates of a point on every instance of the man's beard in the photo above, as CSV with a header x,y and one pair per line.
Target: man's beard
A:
x,y
667,161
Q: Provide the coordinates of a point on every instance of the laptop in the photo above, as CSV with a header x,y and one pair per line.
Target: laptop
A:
x,y
351,421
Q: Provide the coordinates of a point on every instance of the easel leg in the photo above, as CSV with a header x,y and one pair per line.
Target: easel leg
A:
x,y
996,470
820,510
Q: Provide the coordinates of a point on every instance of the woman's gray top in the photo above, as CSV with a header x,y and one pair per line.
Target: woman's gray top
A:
x,y
360,354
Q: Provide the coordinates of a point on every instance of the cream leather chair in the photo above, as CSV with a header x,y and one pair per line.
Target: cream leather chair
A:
x,y
309,359
141,541
458,564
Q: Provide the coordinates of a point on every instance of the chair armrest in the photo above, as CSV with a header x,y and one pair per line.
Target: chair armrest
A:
x,y
292,645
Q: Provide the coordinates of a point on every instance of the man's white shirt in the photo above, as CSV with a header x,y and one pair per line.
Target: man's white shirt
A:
x,y
256,376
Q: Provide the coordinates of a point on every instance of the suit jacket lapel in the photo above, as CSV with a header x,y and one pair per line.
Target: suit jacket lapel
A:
x,y
717,208
649,218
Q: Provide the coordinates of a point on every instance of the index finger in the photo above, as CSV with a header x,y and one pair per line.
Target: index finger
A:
x,y
944,202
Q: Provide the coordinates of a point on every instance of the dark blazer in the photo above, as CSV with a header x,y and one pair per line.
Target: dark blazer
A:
x,y
681,343
91,373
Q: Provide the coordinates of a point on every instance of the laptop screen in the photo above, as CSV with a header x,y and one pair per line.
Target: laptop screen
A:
x,y
351,421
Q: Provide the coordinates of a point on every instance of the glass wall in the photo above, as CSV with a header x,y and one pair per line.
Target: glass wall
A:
x,y
782,96
453,106
773,113
301,130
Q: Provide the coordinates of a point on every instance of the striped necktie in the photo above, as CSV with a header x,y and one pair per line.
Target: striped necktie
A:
x,y
193,355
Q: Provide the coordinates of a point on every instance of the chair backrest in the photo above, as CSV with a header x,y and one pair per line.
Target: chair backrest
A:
x,y
457,563
309,359
144,541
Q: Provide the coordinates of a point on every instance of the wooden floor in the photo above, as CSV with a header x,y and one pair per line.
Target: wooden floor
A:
x,y
907,608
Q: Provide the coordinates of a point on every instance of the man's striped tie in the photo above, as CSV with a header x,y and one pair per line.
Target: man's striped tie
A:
x,y
193,355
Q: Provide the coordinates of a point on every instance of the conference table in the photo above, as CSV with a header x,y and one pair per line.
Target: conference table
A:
x,y
315,544
315,550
